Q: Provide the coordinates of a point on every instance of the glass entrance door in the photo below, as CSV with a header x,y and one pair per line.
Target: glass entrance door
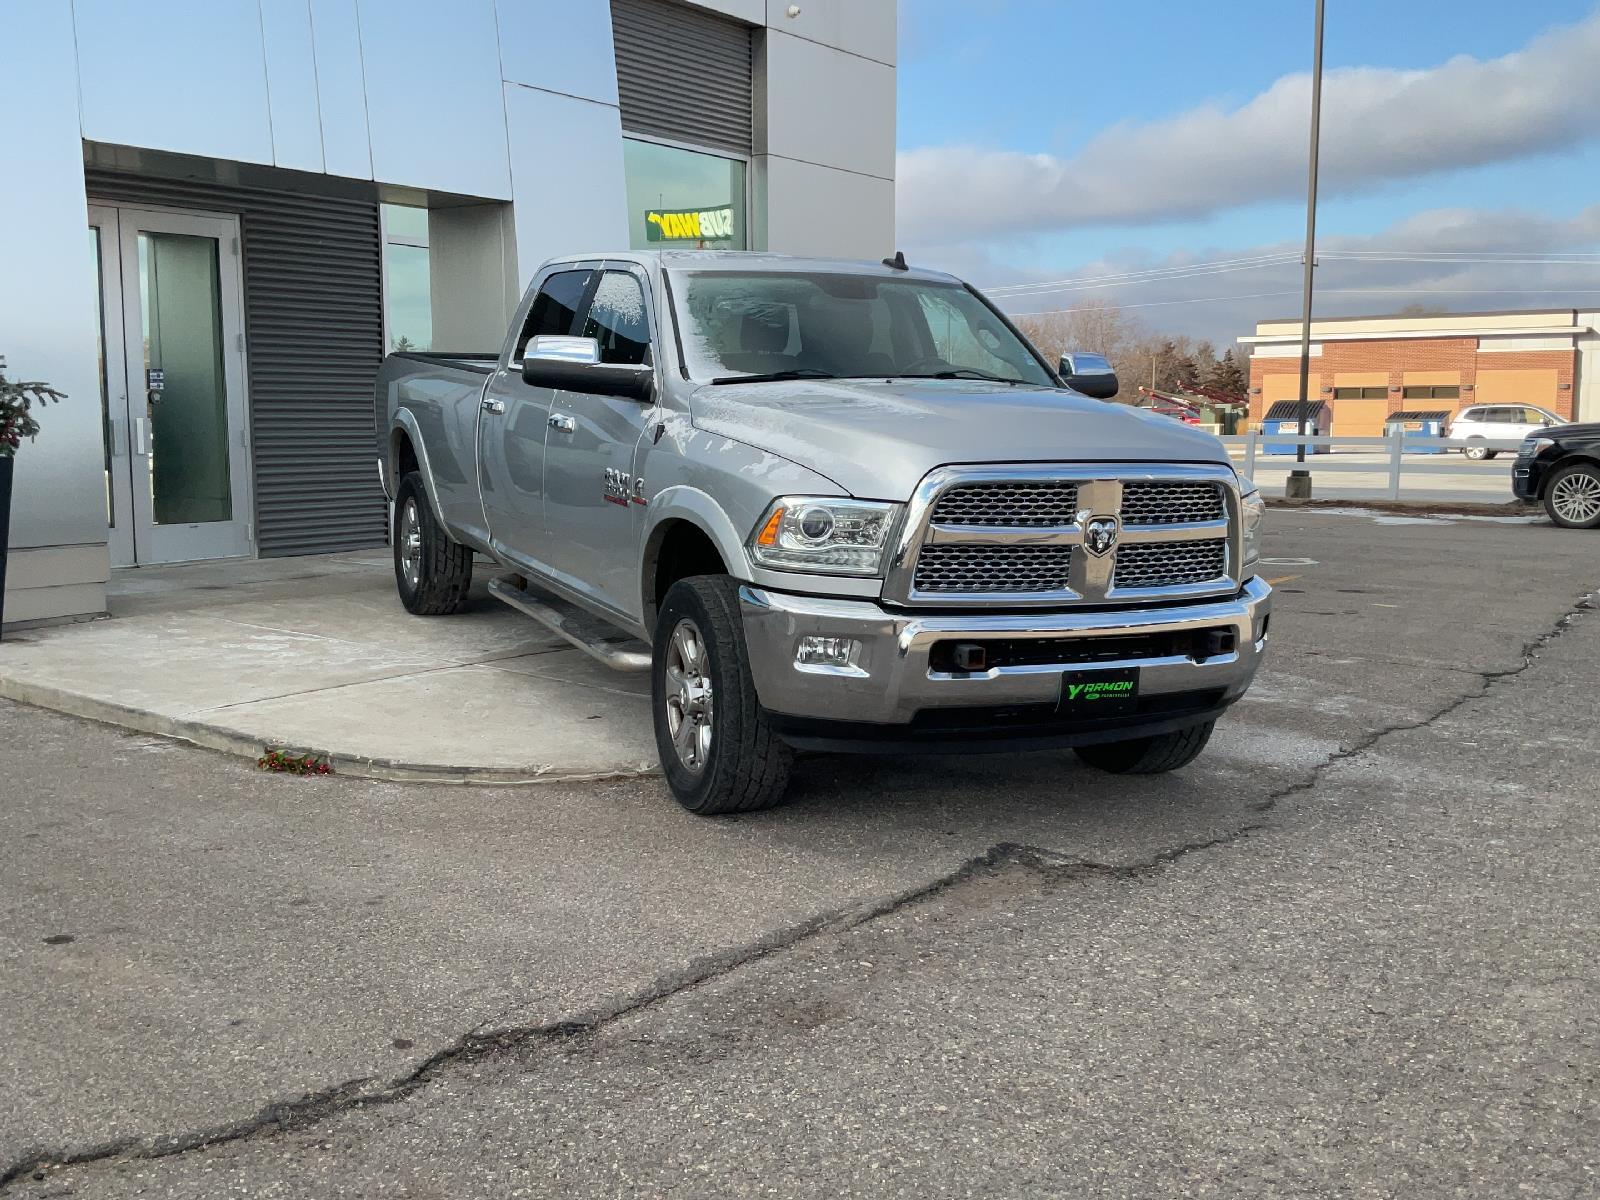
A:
x,y
172,385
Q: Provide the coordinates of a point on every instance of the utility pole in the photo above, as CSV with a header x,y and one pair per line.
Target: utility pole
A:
x,y
1299,483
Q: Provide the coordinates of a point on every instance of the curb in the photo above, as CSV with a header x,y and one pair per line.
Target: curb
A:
x,y
240,745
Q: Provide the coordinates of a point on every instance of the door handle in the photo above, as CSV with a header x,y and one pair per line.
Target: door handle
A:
x,y
141,435
496,407
563,423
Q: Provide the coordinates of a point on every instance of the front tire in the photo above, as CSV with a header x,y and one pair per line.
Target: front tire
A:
x,y
1478,453
1154,755
718,751
1572,496
431,572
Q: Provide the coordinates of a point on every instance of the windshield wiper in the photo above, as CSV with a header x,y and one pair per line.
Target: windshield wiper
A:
x,y
776,376
961,373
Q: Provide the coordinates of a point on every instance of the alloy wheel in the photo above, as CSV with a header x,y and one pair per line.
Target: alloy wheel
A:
x,y
687,695
410,538
1576,497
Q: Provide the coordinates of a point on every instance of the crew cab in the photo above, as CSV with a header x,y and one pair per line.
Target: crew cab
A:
x,y
840,505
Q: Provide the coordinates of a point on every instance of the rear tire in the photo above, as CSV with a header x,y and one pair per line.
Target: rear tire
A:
x,y
1572,496
1149,755
431,572
718,751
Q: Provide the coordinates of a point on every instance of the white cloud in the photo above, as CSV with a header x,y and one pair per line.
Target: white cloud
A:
x,y
1377,124
1223,306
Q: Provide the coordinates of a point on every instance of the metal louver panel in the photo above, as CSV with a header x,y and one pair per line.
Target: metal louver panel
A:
x,y
313,306
683,74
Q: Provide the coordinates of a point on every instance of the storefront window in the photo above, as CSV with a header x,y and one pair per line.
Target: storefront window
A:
x,y
408,311
683,198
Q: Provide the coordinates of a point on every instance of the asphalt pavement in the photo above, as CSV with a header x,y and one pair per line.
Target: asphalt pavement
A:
x,y
1352,951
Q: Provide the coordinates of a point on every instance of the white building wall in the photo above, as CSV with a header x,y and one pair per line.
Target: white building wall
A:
x,y
824,163
1587,403
58,563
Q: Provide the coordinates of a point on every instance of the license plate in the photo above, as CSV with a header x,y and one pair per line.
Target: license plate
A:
x,y
1105,693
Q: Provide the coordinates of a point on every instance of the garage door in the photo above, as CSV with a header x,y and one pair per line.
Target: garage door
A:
x,y
1359,418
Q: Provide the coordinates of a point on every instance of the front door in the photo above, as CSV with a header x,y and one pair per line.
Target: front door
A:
x,y
172,385
593,494
512,424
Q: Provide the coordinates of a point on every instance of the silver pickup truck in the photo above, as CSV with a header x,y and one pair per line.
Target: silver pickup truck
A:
x,y
839,505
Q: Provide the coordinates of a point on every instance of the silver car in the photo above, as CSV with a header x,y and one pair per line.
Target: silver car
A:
x,y
1475,427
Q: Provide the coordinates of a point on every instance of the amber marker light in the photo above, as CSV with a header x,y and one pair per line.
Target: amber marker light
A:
x,y
769,532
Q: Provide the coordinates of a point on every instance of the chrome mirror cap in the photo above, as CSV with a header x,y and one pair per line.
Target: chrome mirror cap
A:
x,y
561,348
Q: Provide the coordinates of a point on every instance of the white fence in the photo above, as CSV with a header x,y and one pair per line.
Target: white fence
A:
x,y
1407,457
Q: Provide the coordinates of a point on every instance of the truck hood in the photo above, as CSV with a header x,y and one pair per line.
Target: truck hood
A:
x,y
876,439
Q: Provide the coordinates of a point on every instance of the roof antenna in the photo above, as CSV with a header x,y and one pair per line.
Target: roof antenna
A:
x,y
898,262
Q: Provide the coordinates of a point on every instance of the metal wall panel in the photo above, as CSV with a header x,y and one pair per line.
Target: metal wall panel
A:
x,y
684,74
314,338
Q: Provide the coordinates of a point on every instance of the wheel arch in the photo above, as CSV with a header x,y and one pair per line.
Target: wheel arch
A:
x,y
689,535
408,451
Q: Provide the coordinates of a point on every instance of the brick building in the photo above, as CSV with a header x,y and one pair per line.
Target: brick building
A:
x,y
1369,367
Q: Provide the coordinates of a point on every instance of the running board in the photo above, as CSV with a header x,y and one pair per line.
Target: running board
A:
x,y
610,646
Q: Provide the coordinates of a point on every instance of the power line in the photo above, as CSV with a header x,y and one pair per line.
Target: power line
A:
x,y
1224,266
1404,291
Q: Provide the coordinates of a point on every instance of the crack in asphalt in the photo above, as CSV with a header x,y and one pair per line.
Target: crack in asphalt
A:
x,y
312,1109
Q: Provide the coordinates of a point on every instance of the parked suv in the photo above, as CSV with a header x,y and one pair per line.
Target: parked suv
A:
x,y
1482,423
1561,468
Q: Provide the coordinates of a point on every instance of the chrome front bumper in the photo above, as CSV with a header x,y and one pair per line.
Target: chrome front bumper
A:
x,y
892,680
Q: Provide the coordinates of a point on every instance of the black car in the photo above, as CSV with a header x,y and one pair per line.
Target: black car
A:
x,y
1560,466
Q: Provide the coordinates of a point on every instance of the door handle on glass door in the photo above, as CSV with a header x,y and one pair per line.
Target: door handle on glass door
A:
x,y
496,407
564,424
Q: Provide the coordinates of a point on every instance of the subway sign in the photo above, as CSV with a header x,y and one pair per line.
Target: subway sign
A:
x,y
688,224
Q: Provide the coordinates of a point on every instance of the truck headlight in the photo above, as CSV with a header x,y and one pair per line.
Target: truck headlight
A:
x,y
825,535
1253,511
1535,446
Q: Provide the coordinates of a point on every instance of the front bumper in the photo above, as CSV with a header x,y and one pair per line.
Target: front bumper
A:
x,y
1527,478
895,683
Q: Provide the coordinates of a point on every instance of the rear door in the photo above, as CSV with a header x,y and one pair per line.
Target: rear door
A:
x,y
513,420
593,495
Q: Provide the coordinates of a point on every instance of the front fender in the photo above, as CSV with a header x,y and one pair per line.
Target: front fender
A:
x,y
686,503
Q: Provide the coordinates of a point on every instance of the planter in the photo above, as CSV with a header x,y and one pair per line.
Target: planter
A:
x,y
7,466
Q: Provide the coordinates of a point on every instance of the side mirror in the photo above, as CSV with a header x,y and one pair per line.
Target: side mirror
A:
x,y
572,364
1098,384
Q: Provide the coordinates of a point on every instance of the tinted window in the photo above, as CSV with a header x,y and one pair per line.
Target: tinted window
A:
x,y
554,308
617,319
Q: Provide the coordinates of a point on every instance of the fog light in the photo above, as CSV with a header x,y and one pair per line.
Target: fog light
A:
x,y
814,651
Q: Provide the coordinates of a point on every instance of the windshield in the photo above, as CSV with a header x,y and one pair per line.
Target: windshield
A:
x,y
793,324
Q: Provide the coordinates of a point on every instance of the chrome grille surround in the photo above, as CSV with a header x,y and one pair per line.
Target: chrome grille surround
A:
x,y
1003,537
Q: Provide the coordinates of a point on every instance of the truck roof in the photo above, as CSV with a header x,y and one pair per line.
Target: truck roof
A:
x,y
751,260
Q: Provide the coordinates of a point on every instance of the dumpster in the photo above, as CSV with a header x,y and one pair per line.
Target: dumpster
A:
x,y
1284,418
1419,423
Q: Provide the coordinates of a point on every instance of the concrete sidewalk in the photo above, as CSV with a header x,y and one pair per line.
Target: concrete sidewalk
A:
x,y
316,654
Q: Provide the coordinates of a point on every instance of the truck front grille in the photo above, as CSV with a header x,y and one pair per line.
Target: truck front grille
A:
x,y
1170,503
1169,564
1017,505
958,568
1029,536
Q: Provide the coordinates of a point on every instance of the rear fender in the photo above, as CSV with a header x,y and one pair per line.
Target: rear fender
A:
x,y
405,423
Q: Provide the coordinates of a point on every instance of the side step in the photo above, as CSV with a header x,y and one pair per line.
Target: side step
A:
x,y
610,646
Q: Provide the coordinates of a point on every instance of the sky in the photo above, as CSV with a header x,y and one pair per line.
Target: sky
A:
x,y
1152,153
